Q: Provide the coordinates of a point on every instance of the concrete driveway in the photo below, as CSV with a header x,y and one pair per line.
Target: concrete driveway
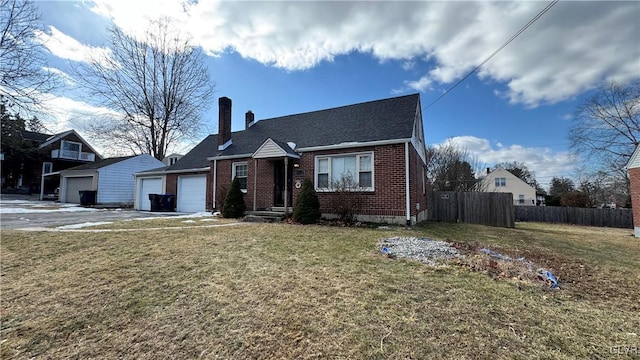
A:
x,y
22,211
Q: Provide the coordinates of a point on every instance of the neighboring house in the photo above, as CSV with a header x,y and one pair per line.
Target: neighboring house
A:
x,y
55,152
112,178
171,159
501,180
633,168
379,145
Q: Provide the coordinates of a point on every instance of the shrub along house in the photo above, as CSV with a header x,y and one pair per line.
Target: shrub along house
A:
x,y
376,148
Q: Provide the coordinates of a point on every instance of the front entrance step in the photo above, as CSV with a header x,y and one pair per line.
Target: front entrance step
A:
x,y
280,209
264,216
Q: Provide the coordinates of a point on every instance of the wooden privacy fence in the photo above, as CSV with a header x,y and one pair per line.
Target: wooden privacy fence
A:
x,y
619,218
494,209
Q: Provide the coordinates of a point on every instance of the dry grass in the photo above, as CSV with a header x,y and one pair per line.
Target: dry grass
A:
x,y
154,223
284,291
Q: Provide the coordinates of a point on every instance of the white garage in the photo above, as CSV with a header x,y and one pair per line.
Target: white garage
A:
x,y
191,195
73,185
112,178
148,186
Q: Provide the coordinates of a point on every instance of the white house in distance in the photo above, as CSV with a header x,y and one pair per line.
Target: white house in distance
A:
x,y
500,180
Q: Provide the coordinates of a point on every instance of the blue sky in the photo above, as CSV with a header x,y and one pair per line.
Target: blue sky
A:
x,y
280,58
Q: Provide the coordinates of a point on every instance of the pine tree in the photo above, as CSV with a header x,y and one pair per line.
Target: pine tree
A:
x,y
307,209
234,205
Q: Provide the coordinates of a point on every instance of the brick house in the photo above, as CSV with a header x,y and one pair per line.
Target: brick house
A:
x,y
378,146
633,168
55,153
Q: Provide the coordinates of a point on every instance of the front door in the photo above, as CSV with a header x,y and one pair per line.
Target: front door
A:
x,y
278,181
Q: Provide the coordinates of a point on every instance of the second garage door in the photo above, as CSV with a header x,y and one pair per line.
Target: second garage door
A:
x,y
192,193
75,185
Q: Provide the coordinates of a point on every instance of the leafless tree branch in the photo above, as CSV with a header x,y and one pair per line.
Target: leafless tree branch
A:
x,y
159,84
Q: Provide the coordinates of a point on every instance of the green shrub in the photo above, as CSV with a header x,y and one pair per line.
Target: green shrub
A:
x,y
234,205
307,209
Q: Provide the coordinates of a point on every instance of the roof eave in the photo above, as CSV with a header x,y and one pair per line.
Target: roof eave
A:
x,y
348,145
177,171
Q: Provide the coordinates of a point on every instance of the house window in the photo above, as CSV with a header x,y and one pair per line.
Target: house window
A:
x,y
240,171
354,171
521,199
47,167
501,182
71,150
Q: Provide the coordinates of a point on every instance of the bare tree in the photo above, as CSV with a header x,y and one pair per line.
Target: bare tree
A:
x,y
450,169
606,127
159,84
23,72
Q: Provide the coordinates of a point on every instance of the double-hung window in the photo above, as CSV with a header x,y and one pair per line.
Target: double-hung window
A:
x,y
352,171
501,182
240,170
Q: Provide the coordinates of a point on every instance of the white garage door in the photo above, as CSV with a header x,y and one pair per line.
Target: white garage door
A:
x,y
148,186
192,192
75,185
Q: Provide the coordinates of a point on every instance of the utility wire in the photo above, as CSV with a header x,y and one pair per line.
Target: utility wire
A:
x,y
522,29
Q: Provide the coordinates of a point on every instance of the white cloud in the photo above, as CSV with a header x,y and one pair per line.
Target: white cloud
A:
x,y
544,162
66,47
564,53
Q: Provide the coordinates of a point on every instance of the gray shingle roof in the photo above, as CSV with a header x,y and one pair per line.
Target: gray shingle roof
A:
x,y
386,119
35,137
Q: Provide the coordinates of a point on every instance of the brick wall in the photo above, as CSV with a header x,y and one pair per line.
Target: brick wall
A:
x,y
387,199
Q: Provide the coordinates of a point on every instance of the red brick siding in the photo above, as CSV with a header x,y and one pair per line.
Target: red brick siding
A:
x,y
416,183
634,179
387,199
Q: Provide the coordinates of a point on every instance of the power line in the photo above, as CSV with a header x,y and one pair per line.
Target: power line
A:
x,y
522,29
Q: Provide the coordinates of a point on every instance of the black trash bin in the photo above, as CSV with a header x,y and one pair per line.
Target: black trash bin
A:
x,y
155,202
87,197
167,202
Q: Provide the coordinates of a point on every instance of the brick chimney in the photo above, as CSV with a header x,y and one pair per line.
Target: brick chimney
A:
x,y
224,123
248,119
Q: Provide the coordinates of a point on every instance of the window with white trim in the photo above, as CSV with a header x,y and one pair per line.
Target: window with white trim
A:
x,y
358,168
501,182
521,199
240,170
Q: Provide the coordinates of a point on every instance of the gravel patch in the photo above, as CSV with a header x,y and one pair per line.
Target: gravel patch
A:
x,y
425,250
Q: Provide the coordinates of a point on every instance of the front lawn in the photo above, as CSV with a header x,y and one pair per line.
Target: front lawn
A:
x,y
284,291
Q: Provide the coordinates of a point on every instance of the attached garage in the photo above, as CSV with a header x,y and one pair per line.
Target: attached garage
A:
x,y
191,194
148,186
73,186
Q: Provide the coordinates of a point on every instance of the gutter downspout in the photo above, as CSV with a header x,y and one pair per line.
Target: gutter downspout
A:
x,y
215,183
255,183
406,183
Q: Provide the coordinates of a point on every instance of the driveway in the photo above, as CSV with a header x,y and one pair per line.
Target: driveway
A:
x,y
21,211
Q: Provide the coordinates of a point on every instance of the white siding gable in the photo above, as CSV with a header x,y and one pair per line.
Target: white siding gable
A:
x,y
513,185
270,149
116,182
634,161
